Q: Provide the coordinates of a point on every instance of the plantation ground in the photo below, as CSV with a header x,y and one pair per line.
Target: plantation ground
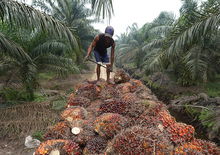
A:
x,y
57,88
61,85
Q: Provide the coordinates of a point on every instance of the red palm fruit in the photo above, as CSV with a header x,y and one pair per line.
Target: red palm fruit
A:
x,y
135,110
129,98
197,146
140,140
113,106
109,92
150,116
109,124
95,146
121,77
124,88
61,130
88,90
178,132
79,101
66,147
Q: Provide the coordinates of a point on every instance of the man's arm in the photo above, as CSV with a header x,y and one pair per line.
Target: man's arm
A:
x,y
91,46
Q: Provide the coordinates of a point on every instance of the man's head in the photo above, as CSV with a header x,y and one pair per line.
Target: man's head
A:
x,y
109,31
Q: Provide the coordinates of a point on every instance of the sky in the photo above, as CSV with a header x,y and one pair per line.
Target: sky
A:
x,y
127,12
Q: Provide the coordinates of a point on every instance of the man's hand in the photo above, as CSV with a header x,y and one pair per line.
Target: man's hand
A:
x,y
86,58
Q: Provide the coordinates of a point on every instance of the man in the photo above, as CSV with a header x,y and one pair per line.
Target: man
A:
x,y
99,45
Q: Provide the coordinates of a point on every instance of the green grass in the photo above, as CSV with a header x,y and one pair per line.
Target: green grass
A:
x,y
213,88
38,97
46,76
14,96
59,104
38,135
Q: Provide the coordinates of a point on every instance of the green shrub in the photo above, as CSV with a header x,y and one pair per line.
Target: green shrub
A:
x,y
14,96
213,88
38,135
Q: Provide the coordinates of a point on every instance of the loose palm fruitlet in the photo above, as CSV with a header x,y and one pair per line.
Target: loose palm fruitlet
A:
x,y
109,124
74,113
140,141
196,147
95,146
65,147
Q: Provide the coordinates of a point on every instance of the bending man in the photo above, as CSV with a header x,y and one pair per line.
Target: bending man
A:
x,y
99,45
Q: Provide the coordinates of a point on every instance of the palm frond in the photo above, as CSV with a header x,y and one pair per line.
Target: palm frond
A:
x,y
10,48
153,61
157,43
102,8
194,32
22,15
51,46
57,63
161,30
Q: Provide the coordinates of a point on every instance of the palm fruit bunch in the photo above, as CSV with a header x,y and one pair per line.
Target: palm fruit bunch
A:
x,y
121,77
61,130
197,146
150,117
78,101
136,85
89,90
140,140
109,124
108,92
113,106
66,147
86,133
74,113
96,145
179,132
94,109
124,88
129,98
135,110
145,93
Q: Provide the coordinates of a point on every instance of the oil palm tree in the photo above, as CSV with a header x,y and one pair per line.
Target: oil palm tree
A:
x,y
74,14
46,55
20,15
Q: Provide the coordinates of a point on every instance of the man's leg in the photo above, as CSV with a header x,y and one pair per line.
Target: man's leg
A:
x,y
108,73
98,72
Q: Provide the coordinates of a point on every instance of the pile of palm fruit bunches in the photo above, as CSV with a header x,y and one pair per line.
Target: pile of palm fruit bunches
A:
x,y
123,118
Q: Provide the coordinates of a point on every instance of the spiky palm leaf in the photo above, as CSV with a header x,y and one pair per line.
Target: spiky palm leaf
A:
x,y
12,49
102,8
207,23
51,46
61,65
22,15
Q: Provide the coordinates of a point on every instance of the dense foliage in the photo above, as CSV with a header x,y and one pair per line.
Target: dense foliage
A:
x,y
50,40
187,47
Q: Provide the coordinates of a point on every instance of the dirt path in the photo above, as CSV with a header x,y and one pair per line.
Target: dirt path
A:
x,y
103,74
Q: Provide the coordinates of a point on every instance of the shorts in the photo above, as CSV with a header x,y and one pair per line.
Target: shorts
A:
x,y
101,59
